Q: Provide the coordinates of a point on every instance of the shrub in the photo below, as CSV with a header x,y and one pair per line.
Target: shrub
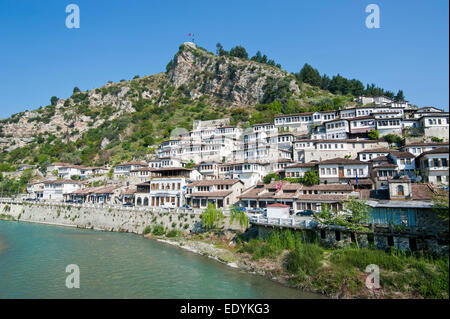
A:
x,y
306,258
147,230
159,230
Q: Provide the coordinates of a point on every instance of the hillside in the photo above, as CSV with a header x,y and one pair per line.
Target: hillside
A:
x,y
124,120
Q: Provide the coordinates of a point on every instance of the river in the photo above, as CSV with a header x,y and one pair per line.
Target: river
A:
x,y
33,260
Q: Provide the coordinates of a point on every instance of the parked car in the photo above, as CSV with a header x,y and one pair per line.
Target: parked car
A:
x,y
306,212
69,201
186,206
235,207
256,210
31,199
128,204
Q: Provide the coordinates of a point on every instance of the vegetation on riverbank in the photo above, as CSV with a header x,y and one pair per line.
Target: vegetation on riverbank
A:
x,y
297,260
341,272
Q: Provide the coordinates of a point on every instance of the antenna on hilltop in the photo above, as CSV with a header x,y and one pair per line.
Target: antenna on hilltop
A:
x,y
192,35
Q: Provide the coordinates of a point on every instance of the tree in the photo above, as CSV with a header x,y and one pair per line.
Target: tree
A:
x,y
211,217
355,216
373,135
440,205
268,178
400,96
359,218
219,50
237,214
393,139
309,75
191,164
239,52
76,90
310,178
53,100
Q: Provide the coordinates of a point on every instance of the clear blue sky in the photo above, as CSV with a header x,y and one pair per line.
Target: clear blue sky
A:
x,y
40,57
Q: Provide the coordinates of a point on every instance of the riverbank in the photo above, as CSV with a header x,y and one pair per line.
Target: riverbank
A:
x,y
334,273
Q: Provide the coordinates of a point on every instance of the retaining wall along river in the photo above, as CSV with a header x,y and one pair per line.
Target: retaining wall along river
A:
x,y
109,218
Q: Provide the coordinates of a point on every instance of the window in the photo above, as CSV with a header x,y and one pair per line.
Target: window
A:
x,y
337,235
400,190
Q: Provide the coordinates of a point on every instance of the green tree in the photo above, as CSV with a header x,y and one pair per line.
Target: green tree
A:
x,y
373,135
211,217
268,178
76,90
53,100
399,96
309,75
219,50
237,214
310,178
239,52
355,218
191,164
393,139
440,205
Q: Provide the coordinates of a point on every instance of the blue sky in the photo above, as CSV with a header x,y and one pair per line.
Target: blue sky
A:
x,y
40,57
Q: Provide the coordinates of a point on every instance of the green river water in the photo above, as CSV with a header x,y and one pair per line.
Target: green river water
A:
x,y
33,260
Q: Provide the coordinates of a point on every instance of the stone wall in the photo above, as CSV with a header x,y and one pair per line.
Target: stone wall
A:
x,y
109,219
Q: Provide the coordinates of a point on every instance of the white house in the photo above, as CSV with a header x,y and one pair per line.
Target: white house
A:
x,y
56,189
278,210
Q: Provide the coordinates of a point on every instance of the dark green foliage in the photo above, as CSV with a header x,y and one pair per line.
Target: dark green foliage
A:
x,y
373,135
239,52
309,75
393,139
268,178
53,100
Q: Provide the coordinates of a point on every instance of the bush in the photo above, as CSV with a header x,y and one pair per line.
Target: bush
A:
x,y
173,233
373,135
306,258
159,230
147,230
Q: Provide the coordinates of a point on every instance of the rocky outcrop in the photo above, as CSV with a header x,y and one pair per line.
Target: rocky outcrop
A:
x,y
228,79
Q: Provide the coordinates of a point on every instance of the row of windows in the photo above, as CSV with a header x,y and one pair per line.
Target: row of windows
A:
x,y
334,170
166,186
389,123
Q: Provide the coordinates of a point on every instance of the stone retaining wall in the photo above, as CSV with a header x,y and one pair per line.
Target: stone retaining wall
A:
x,y
109,219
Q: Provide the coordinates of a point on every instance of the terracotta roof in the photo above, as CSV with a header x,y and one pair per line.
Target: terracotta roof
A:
x,y
379,159
133,163
376,150
323,197
211,182
210,194
362,181
440,150
61,181
142,169
340,160
329,187
385,165
399,154
426,144
278,205
422,191
299,165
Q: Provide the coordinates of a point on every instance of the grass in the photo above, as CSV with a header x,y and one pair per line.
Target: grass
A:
x,y
341,272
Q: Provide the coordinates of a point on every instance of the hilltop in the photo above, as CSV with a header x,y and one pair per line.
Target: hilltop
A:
x,y
121,121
